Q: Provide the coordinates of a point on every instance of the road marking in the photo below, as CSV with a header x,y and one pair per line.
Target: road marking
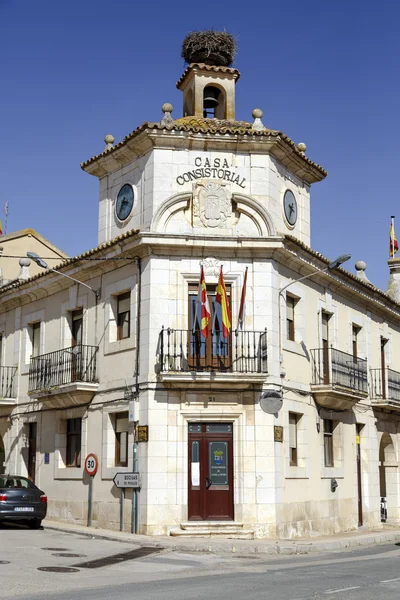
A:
x,y
355,587
389,580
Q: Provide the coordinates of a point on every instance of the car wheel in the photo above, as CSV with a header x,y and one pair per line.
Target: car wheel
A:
x,y
35,523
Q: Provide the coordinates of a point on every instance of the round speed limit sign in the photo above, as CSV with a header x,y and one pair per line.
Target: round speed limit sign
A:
x,y
91,464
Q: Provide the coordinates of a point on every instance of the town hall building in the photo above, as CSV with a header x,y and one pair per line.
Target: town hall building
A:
x,y
280,419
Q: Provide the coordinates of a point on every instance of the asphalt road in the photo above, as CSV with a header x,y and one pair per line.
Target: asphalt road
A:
x,y
365,574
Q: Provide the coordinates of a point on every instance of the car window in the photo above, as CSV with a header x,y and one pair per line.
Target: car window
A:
x,y
15,482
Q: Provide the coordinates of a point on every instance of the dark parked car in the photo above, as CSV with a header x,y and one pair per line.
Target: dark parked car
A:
x,y
21,500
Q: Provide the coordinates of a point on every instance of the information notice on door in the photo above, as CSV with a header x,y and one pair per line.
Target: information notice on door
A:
x,y
195,474
219,463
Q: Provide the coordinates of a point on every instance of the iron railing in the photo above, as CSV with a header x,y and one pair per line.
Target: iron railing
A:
x,y
337,368
187,350
7,382
68,365
385,384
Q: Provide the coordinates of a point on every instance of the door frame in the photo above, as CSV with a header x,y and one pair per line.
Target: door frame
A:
x,y
229,415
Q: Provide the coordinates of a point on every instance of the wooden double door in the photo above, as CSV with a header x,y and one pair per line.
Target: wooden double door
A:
x,y
210,485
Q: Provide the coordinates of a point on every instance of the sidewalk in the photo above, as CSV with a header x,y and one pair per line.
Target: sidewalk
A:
x,y
356,539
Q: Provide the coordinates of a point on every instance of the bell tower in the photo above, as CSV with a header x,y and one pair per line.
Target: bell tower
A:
x,y
208,83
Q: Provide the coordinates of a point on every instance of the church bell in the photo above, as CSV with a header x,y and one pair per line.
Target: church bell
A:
x,y
211,97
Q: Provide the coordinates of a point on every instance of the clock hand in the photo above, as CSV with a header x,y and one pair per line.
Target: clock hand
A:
x,y
291,208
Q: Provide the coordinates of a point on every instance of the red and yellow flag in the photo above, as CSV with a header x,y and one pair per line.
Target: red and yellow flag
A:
x,y
1,227
202,301
394,246
222,299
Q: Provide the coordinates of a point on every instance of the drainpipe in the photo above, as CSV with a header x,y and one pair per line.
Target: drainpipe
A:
x,y
135,497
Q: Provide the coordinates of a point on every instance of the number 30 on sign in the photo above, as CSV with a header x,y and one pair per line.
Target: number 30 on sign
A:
x,y
91,464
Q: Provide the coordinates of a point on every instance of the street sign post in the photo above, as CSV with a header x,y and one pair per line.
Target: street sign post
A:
x,y
91,466
123,481
127,480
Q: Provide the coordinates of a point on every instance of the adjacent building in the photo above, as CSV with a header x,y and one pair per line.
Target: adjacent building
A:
x,y
287,426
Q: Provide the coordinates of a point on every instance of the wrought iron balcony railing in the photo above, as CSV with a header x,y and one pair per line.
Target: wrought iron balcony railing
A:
x,y
7,382
69,365
385,385
182,350
336,368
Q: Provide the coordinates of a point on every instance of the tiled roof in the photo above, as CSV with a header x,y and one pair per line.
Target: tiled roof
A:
x,y
205,67
367,284
70,261
209,126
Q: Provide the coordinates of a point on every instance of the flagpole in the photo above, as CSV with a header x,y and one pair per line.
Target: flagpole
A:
x,y
392,236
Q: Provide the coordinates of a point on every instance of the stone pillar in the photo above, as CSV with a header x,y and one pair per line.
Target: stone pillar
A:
x,y
394,279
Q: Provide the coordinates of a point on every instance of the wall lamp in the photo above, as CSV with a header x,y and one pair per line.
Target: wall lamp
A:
x,y
331,267
43,264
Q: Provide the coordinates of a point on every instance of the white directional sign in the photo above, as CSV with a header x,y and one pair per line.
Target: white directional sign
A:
x,y
127,480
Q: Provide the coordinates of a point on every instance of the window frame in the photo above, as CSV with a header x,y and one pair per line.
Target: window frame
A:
x,y
329,458
122,315
74,435
291,302
34,332
117,458
293,449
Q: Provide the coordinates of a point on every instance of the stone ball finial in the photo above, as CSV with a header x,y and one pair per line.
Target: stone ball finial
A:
x,y
301,147
109,140
167,108
360,265
24,262
257,113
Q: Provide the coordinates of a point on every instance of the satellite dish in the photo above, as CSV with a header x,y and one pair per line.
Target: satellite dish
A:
x,y
271,401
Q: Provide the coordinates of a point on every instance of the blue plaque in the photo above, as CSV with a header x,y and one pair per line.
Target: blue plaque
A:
x,y
47,458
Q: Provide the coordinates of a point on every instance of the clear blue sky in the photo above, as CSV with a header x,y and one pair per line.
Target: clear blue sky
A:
x,y
325,73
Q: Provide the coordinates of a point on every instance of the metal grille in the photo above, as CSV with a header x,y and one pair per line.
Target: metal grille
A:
x,y
7,382
334,367
187,350
65,366
385,384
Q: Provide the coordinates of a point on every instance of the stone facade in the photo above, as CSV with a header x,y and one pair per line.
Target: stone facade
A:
x,y
328,346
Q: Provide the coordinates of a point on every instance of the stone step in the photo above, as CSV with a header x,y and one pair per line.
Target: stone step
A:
x,y
214,525
198,532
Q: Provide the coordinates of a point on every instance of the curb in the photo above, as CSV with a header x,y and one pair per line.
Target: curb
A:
x,y
235,546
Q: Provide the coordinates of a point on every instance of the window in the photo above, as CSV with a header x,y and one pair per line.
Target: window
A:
x,y
1,348
355,331
123,316
290,304
77,327
328,442
293,420
35,338
74,439
121,439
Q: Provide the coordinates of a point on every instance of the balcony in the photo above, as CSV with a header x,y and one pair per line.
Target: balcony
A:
x,y
64,378
8,392
187,358
385,389
339,380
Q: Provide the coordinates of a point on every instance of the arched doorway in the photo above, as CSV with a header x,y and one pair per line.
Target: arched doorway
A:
x,y
388,476
2,457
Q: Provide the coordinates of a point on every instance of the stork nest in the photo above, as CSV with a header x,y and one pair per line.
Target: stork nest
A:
x,y
217,48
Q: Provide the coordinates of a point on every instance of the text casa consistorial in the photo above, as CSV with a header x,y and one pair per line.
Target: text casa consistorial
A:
x,y
217,169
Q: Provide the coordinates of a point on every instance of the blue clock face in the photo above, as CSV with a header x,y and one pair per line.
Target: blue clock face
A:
x,y
290,207
124,203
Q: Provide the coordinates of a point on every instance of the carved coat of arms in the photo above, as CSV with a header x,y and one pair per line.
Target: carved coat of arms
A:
x,y
211,205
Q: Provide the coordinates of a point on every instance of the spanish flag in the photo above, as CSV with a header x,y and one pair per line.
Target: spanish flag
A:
x,y
1,227
394,246
202,301
222,299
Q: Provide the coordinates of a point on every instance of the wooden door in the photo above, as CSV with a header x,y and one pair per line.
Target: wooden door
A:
x,y
210,485
76,342
383,367
325,347
214,351
359,482
32,451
